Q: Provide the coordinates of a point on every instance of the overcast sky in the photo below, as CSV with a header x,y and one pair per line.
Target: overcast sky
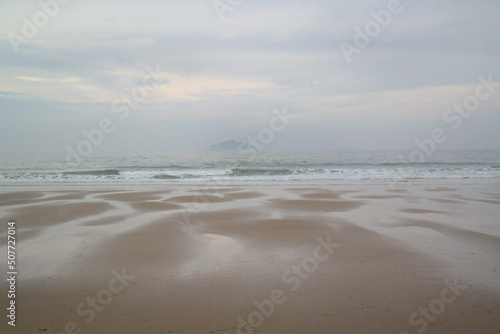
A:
x,y
224,68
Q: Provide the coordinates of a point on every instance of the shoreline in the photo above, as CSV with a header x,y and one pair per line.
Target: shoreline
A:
x,y
252,183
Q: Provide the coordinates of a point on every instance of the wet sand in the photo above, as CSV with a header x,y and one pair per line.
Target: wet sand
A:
x,y
255,259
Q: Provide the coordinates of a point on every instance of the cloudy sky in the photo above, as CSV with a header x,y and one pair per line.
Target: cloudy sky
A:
x,y
163,75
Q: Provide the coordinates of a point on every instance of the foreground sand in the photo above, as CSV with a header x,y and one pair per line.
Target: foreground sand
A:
x,y
256,259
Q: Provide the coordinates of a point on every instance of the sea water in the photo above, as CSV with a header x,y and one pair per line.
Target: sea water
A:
x,y
157,168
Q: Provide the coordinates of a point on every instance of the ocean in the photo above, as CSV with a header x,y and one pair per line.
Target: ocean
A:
x,y
201,167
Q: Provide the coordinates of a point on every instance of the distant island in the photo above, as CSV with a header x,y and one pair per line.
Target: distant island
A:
x,y
228,145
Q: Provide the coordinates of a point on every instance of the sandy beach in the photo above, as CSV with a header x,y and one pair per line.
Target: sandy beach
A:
x,y
333,258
